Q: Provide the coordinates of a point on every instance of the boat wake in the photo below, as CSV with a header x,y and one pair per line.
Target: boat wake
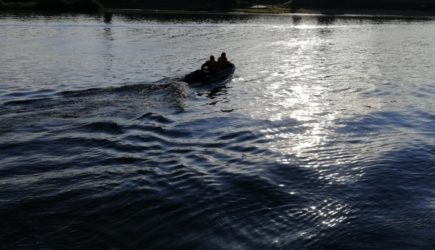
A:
x,y
126,102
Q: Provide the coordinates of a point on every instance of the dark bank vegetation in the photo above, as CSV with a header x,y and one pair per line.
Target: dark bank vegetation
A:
x,y
272,6
209,5
53,5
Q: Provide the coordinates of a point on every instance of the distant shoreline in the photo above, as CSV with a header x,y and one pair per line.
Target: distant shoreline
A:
x,y
299,12
351,13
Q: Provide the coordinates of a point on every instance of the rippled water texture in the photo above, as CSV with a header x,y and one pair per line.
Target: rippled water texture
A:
x,y
323,139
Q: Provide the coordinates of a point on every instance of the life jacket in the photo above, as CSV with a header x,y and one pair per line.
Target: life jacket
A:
x,y
223,62
212,66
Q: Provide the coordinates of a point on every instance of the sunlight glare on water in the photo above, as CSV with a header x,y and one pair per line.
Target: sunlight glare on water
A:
x,y
322,139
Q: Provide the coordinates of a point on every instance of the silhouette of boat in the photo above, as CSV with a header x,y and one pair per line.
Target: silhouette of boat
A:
x,y
205,77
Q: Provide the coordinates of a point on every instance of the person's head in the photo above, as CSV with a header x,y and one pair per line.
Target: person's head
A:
x,y
212,58
224,55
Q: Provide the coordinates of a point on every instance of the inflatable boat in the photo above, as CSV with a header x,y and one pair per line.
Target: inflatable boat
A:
x,y
205,77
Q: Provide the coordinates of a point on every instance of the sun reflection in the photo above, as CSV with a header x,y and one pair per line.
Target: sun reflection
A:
x,y
309,85
329,214
299,98
307,105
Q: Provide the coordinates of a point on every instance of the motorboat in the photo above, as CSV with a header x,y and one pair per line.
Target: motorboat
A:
x,y
205,77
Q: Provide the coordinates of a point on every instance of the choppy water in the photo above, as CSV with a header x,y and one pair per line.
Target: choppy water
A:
x,y
323,139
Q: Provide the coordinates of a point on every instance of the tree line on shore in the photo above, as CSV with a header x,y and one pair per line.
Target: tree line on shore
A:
x,y
213,5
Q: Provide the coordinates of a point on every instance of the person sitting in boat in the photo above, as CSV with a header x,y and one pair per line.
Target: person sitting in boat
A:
x,y
210,66
223,61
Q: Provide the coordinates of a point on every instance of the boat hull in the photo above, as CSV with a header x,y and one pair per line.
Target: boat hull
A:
x,y
201,76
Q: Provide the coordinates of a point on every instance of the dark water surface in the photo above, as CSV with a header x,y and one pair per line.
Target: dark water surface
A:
x,y
323,139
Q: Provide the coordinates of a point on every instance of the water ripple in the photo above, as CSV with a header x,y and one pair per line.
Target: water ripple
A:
x,y
323,138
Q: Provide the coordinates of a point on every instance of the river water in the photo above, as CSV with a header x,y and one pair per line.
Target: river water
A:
x,y
324,138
